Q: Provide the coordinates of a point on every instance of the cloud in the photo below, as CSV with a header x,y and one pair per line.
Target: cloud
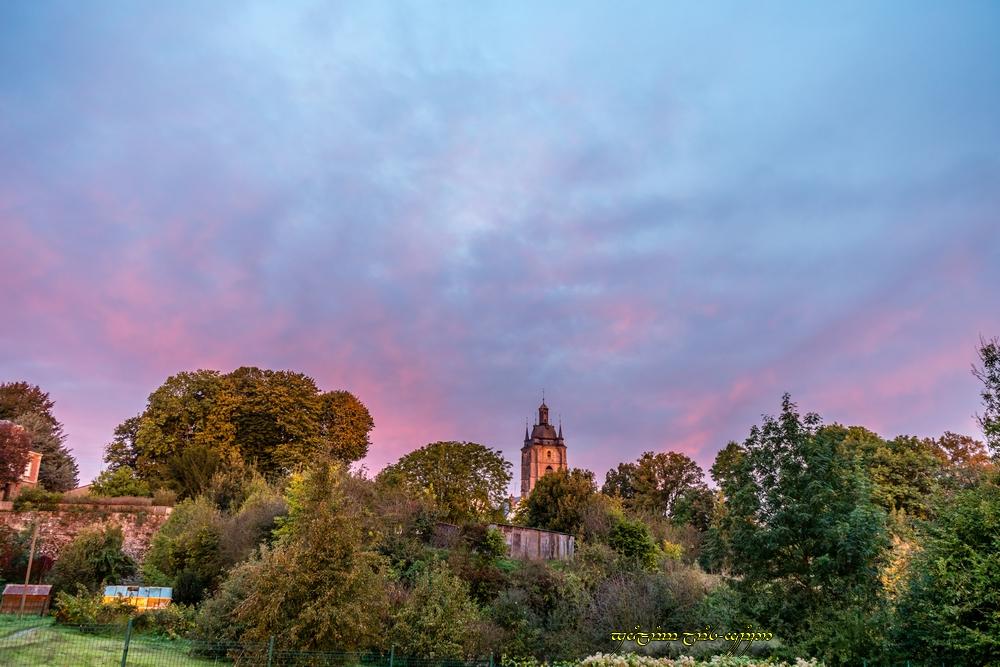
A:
x,y
665,217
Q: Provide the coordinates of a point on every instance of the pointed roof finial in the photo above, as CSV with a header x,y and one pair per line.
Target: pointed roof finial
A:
x,y
560,427
525,430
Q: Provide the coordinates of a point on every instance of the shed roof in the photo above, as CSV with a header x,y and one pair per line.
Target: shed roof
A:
x,y
30,589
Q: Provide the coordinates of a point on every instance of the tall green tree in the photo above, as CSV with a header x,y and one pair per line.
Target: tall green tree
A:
x,y
988,372
322,585
668,484
950,611
560,500
620,481
198,422
467,481
29,406
806,539
58,470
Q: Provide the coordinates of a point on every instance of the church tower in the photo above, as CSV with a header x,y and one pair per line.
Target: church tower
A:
x,y
544,451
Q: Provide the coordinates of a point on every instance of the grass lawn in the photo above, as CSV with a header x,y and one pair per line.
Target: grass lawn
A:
x,y
36,641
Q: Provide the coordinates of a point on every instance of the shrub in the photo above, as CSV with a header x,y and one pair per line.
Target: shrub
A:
x,y
164,497
185,552
37,499
632,541
94,557
119,482
175,621
87,608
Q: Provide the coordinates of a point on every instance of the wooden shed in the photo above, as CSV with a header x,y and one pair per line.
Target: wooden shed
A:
x,y
35,596
143,597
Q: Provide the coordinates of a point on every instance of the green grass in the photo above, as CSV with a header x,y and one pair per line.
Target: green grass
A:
x,y
36,641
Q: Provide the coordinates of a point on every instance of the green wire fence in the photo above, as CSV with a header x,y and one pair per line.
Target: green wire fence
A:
x,y
37,641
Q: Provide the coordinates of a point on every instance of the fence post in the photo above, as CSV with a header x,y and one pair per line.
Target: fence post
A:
x,y
128,638
392,654
270,651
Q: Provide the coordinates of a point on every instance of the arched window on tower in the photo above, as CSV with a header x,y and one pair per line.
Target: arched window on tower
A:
x,y
548,469
549,454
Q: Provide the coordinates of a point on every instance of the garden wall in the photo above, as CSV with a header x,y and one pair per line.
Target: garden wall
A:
x,y
56,528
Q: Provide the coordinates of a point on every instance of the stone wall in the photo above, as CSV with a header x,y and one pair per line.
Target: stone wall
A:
x,y
57,528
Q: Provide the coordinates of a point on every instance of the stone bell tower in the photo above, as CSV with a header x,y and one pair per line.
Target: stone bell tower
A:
x,y
544,450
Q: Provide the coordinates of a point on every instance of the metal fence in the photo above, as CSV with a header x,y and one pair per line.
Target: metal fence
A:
x,y
34,642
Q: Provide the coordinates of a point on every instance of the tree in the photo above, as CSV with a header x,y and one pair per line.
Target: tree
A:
x,y
123,451
320,586
632,541
805,538
20,398
667,484
346,424
119,482
186,552
560,500
903,471
197,422
620,481
950,611
964,459
93,558
437,619
31,407
467,480
58,470
989,374
14,446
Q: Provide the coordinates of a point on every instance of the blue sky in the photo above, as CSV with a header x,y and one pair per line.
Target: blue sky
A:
x,y
666,215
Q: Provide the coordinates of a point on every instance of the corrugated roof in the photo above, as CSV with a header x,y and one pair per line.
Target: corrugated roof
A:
x,y
32,589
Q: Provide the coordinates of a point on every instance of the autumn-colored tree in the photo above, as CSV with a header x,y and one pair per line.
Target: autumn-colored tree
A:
x,y
14,446
467,481
198,421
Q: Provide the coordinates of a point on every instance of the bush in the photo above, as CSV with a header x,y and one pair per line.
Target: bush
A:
x,y
163,497
37,498
632,541
176,621
94,557
119,482
87,608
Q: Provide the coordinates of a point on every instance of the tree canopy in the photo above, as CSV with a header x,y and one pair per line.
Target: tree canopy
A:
x,y
275,420
667,484
560,500
467,481
14,446
988,372
805,536
31,407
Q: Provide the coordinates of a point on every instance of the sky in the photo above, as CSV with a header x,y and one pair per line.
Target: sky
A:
x,y
664,214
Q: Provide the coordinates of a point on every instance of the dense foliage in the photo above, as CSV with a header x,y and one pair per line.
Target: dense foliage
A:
x,y
467,481
14,447
200,422
845,545
31,407
94,558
